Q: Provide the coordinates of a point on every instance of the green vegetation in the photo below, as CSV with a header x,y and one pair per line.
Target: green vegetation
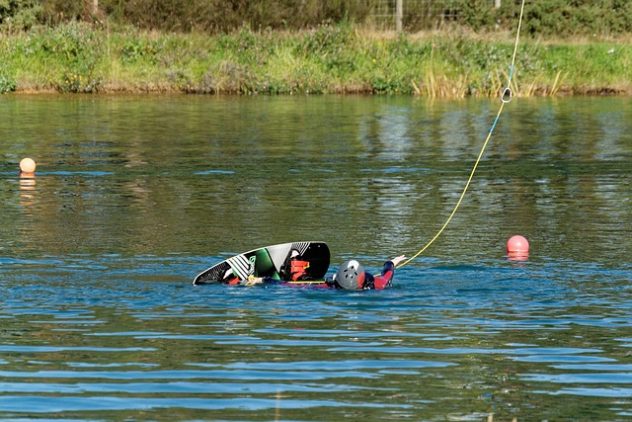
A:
x,y
325,46
7,84
81,58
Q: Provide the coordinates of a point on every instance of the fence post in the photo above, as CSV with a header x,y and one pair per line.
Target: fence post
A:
x,y
399,15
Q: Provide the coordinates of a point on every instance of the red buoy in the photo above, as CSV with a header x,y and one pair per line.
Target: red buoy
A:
x,y
518,248
518,243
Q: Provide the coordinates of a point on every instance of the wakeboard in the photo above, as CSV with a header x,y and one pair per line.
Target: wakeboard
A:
x,y
284,262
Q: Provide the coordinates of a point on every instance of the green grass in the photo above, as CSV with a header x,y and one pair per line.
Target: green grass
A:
x,y
79,58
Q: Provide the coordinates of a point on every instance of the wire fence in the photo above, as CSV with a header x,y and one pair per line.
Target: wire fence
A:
x,y
417,14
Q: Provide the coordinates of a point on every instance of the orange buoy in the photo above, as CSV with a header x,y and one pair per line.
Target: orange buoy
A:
x,y
27,165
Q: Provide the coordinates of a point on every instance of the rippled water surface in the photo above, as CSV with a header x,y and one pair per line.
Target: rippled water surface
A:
x,y
135,195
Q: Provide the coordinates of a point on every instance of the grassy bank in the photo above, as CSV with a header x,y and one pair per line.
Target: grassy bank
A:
x,y
78,58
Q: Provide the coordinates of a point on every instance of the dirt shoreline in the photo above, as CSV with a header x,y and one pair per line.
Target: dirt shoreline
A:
x,y
562,92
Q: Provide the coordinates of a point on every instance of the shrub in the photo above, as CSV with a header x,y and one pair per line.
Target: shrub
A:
x,y
141,49
7,83
78,48
331,46
19,14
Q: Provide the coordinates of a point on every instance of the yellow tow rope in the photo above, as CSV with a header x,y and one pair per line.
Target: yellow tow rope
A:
x,y
505,98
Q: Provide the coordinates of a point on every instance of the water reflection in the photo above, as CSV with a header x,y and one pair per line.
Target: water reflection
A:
x,y
27,190
399,163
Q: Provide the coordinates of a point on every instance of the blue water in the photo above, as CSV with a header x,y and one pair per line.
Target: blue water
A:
x,y
136,195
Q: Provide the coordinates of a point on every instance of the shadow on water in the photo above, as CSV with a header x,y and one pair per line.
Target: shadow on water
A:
x,y
134,196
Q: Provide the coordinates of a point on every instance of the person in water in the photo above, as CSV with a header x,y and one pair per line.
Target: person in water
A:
x,y
351,275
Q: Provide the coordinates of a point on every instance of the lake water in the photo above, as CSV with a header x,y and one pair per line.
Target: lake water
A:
x,y
135,195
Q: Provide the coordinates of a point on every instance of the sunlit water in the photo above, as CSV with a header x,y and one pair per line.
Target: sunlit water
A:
x,y
135,195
